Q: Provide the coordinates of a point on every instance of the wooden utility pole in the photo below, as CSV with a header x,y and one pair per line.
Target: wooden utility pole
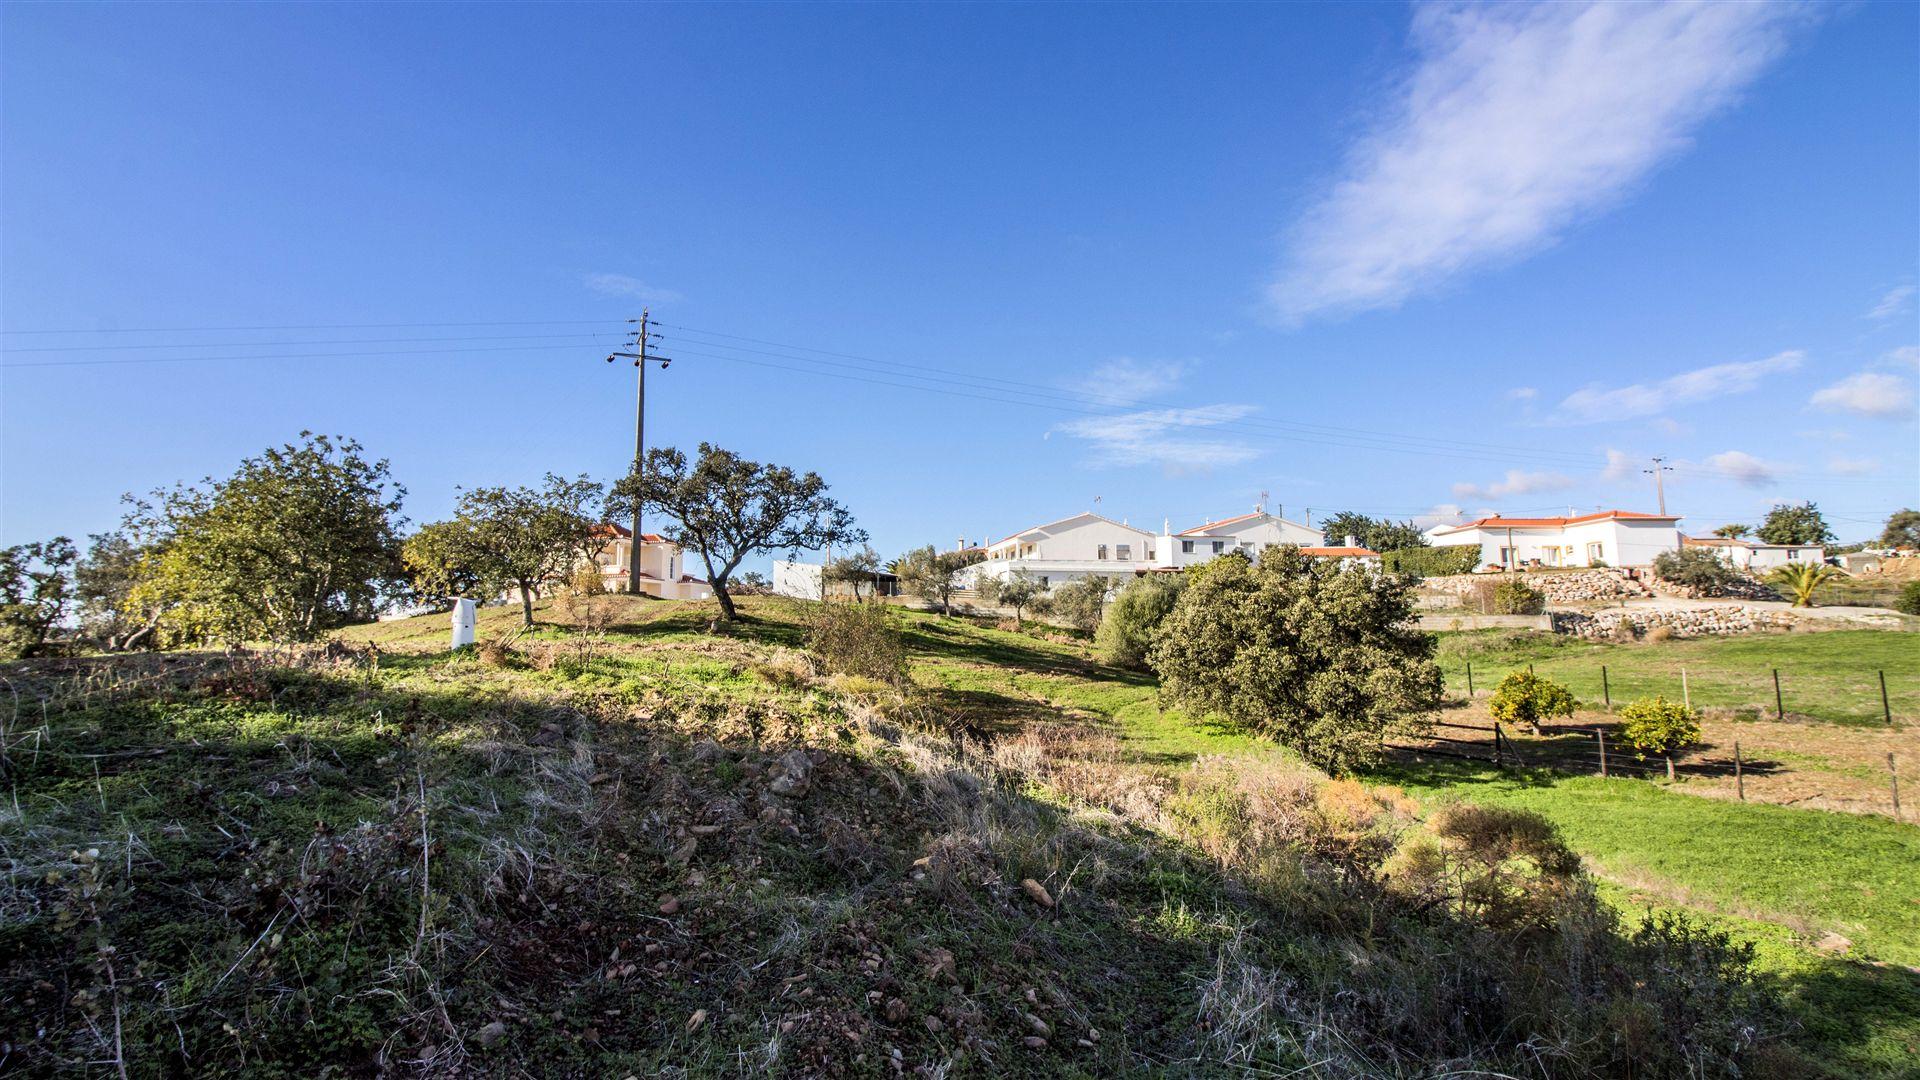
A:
x,y
1660,481
640,360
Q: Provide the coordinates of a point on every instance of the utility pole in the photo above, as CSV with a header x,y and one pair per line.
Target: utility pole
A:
x,y
1659,481
640,360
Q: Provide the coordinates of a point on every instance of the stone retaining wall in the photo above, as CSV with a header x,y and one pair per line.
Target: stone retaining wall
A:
x,y
1683,622
1568,587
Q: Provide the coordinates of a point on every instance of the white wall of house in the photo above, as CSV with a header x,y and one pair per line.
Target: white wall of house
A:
x,y
1585,540
797,579
663,569
1250,533
1088,545
1761,559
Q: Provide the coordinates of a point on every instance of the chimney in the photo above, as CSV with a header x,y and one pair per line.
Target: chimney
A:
x,y
1351,542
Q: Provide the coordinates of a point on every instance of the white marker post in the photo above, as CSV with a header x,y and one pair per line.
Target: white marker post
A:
x,y
464,613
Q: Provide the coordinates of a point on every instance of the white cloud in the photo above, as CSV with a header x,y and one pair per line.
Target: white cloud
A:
x,y
1523,393
1515,122
1619,466
1846,466
623,285
1153,437
1744,468
1893,303
1595,403
1516,483
1125,381
1904,356
1867,393
1440,514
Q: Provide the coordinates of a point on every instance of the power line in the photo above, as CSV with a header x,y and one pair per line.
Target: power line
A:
x,y
307,326
262,344
282,356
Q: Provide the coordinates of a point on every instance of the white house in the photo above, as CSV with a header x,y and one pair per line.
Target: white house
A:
x,y
663,568
1609,537
1087,544
1757,558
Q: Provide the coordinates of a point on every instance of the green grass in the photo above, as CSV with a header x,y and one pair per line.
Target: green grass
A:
x,y
1828,675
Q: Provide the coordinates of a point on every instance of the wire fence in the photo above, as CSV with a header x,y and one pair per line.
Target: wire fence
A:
x,y
1851,696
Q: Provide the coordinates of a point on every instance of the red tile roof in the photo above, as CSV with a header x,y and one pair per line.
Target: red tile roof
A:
x,y
1223,521
1498,522
1341,552
621,532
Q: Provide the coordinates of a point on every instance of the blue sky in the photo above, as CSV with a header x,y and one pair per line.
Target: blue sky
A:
x,y
1409,260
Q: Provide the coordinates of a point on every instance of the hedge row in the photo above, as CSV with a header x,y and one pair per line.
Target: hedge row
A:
x,y
1433,561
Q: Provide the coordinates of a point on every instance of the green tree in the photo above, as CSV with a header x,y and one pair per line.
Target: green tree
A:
x,y
934,576
728,508
1902,531
1132,621
861,568
508,538
1379,534
1800,524
1319,658
1908,602
1658,726
1082,603
298,541
1526,698
1019,590
114,610
36,592
1512,596
1733,532
1696,568
1802,580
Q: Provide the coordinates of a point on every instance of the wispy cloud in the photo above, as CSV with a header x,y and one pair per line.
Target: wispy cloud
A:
x,y
1515,483
1440,514
1597,403
1125,381
1163,437
1906,356
623,285
1619,466
1852,466
1743,468
1893,303
1867,393
1522,393
1515,122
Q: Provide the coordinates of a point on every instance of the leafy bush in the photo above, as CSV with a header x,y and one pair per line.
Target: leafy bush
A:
x,y
1432,561
1505,868
1658,726
1321,659
1515,597
1080,604
1526,698
1128,628
858,639
1695,568
1909,599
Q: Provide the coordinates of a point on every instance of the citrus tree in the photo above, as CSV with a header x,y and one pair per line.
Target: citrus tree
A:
x,y
1658,726
1526,698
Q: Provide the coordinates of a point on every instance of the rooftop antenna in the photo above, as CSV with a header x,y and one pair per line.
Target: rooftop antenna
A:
x,y
1262,507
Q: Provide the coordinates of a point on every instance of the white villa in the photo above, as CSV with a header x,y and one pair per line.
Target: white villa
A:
x,y
1088,545
1610,537
663,570
1757,558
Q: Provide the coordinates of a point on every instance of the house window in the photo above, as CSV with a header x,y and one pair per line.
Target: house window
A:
x,y
1103,552
1149,553
1219,546
1594,553
1123,552
1186,547
1793,554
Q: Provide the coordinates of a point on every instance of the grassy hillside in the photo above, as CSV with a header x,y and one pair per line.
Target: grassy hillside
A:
x,y
651,848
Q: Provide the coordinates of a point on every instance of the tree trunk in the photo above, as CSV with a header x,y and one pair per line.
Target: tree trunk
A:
x,y
526,604
721,594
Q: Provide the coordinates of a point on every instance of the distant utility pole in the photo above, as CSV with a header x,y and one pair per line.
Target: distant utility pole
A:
x,y
640,360
1660,481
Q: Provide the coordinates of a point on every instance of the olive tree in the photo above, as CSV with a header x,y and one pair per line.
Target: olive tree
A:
x,y
1128,628
1081,603
934,576
36,591
298,541
1019,590
1317,657
728,508
854,570
508,538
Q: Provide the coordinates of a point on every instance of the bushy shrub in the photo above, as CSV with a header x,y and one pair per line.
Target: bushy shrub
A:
x,y
1504,868
1526,698
1658,726
1432,561
1515,597
1128,628
1909,598
1695,568
1081,604
858,639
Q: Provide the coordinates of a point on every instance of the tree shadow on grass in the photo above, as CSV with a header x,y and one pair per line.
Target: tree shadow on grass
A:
x,y
1858,1019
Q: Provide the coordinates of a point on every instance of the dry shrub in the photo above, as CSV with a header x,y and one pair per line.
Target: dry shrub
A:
x,y
1660,633
496,653
858,639
786,671
1501,868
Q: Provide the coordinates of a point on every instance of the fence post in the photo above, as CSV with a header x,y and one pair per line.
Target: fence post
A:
x,y
1739,778
1779,706
1886,710
1602,736
1893,774
1497,738
1669,757
1686,695
1606,692
1470,679
1529,669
